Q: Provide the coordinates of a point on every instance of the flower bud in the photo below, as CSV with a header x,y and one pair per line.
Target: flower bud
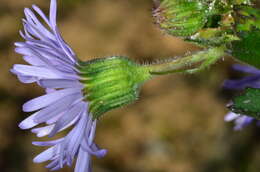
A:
x,y
206,23
111,82
181,17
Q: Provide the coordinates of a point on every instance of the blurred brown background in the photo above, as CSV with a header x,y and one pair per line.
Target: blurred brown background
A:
x,y
177,124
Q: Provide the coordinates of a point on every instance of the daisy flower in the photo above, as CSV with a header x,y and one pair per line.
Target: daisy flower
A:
x,y
253,81
78,93
54,66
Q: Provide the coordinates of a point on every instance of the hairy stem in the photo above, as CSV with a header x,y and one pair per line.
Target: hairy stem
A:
x,y
188,64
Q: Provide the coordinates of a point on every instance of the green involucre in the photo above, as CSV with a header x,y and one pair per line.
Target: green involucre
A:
x,y
111,82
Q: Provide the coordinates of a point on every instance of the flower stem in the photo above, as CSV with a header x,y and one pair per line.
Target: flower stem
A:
x,y
188,64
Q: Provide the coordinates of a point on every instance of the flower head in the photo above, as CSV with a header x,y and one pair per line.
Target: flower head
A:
x,y
77,93
54,66
252,81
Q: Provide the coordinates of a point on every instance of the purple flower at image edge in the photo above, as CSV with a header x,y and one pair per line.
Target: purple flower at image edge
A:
x,y
53,66
252,81
240,121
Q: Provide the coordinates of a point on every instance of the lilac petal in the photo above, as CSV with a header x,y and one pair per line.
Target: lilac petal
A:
x,y
53,13
57,167
68,117
249,81
69,124
74,138
45,100
51,52
56,108
45,155
54,165
42,56
231,116
33,19
27,79
242,122
101,152
28,122
49,90
33,61
48,143
92,150
34,31
63,45
92,132
39,11
83,162
24,35
88,145
59,83
43,131
246,69
55,118
40,72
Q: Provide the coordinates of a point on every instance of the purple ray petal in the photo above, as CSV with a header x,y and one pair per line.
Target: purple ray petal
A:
x,y
59,83
231,116
45,155
33,61
43,131
74,138
68,117
242,122
40,72
83,162
27,79
92,133
239,84
63,45
33,20
28,122
48,143
56,108
246,69
39,11
53,13
45,100
90,149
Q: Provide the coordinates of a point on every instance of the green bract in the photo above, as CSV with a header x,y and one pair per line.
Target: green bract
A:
x,y
111,82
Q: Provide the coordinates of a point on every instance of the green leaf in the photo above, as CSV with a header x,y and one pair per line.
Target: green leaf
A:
x,y
248,103
248,48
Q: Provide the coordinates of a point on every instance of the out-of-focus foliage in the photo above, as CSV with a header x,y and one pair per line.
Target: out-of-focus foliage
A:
x,y
171,128
247,28
247,49
248,103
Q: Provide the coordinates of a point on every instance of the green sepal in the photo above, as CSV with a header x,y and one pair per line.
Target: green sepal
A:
x,y
248,103
111,82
